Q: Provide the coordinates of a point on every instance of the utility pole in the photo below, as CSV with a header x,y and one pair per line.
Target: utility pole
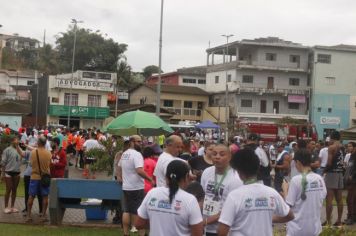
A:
x,y
227,36
158,103
75,22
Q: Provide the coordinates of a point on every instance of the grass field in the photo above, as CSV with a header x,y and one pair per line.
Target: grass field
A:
x,y
20,230
20,189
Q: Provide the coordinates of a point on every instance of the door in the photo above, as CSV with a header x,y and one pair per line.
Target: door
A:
x,y
270,83
276,107
263,106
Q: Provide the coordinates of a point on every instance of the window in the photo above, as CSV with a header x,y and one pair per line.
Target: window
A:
x,y
55,100
74,100
247,79
94,100
188,104
168,103
217,101
201,81
330,110
228,78
319,109
246,103
271,57
330,80
324,58
294,81
30,82
294,58
189,81
293,105
216,79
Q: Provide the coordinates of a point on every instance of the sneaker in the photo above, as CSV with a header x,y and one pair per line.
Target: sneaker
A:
x,y
133,229
7,210
337,224
14,210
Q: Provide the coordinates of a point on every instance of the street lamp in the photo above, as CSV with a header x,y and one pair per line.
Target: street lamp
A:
x,y
75,22
227,36
158,103
0,50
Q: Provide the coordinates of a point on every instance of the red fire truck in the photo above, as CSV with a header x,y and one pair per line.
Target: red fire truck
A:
x,y
272,132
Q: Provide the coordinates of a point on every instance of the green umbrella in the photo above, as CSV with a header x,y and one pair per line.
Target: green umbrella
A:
x,y
138,122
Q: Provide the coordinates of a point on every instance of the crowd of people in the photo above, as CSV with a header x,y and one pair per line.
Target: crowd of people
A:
x,y
193,186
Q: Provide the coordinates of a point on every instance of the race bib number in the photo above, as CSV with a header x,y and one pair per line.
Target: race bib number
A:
x,y
211,206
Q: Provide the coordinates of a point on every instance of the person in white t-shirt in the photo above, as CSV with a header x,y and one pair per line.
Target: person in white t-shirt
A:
x,y
323,156
251,208
305,196
170,210
173,148
130,171
217,181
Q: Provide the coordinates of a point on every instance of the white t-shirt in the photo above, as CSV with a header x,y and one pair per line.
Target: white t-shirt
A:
x,y
307,212
262,156
323,155
129,162
231,182
161,168
248,210
347,158
91,144
173,219
272,153
201,151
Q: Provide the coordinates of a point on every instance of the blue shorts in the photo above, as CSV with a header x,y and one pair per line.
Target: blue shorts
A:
x,y
36,189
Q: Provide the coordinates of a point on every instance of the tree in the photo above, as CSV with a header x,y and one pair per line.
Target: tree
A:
x,y
93,51
47,60
149,70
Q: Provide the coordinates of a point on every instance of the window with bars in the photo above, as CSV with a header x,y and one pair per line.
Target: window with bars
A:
x,y
293,106
324,58
247,79
271,56
246,103
294,81
228,78
94,100
74,100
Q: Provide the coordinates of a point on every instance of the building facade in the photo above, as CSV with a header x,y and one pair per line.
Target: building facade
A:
x,y
334,88
267,79
16,85
85,96
187,76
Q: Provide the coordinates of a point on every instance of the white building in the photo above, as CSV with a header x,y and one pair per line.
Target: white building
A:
x,y
267,78
89,100
16,85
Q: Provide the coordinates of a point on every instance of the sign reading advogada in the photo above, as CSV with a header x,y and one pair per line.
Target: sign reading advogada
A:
x,y
84,84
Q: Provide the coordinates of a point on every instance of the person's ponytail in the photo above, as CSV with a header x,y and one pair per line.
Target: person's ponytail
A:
x,y
176,171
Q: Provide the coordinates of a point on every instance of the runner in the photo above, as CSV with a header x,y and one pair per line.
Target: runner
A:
x,y
217,181
132,174
11,162
334,178
170,210
199,164
248,210
281,167
305,196
350,181
173,149
58,161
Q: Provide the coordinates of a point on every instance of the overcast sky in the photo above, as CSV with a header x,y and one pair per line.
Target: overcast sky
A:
x,y
188,25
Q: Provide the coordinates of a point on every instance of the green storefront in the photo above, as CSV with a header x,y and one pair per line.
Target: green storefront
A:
x,y
81,116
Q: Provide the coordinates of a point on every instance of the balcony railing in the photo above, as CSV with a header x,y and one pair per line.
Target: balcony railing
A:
x,y
275,90
185,111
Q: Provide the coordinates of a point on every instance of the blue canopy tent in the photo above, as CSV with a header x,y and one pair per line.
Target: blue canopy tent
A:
x,y
207,124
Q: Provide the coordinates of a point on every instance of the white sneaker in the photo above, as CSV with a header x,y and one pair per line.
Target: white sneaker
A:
x,y
133,229
14,210
7,210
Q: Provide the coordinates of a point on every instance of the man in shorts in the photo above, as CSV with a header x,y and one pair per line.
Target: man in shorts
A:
x,y
334,180
132,175
40,158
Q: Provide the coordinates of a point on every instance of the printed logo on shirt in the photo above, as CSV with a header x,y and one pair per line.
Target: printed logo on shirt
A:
x,y
248,203
314,184
261,202
272,202
152,202
164,204
178,205
210,189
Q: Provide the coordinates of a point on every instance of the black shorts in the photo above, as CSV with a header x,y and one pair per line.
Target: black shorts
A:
x,y
132,200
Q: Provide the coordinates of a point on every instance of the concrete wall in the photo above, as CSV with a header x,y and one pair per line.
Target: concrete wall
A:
x,y
6,81
342,67
340,109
